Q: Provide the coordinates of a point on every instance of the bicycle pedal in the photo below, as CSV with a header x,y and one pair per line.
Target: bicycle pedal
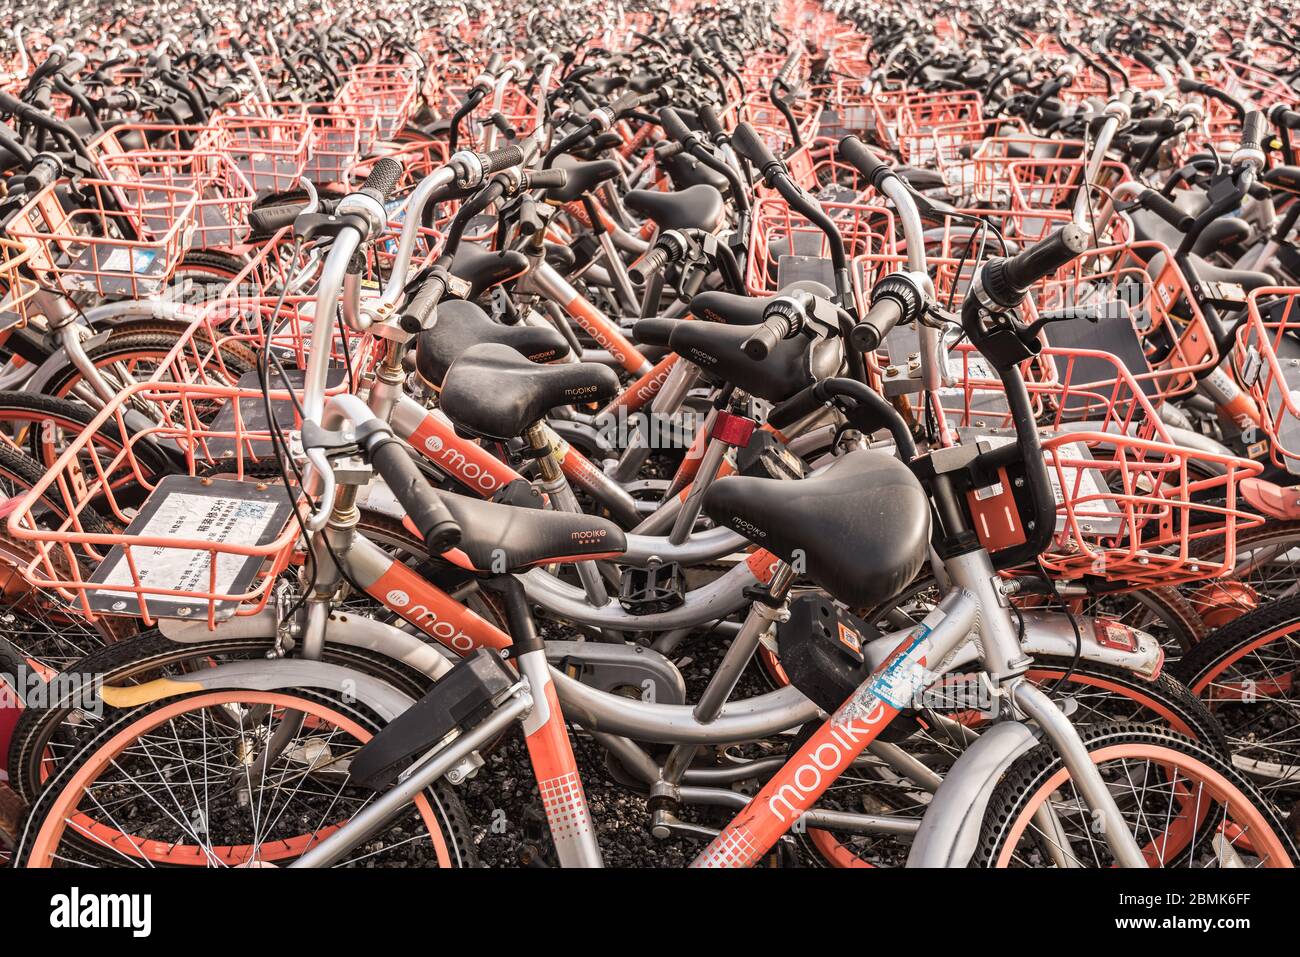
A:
x,y
648,591
461,700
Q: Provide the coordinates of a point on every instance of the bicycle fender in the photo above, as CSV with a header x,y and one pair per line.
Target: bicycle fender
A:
x,y
951,825
274,675
354,630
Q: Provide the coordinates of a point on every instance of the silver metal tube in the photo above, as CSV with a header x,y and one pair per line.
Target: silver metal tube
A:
x,y
1035,703
706,546
415,204
718,599
384,807
746,720
70,337
322,327
708,471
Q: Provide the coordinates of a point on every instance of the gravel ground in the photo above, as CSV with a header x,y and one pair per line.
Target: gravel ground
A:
x,y
504,807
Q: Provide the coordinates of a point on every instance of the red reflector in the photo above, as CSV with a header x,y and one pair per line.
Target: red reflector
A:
x,y
733,429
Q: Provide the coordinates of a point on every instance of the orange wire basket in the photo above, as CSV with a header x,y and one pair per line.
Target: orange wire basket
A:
x,y
16,284
1267,361
784,243
268,142
921,114
209,538
384,93
86,249
1132,507
334,144
126,138
948,147
1053,184
223,197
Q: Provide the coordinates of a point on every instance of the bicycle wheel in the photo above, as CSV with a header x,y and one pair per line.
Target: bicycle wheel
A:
x,y
11,813
1102,695
44,739
172,784
1246,674
1266,569
1187,807
137,356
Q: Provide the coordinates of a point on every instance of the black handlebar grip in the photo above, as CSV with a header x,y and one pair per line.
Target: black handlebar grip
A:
x,y
712,125
1188,85
673,125
1287,119
553,178
799,406
1161,125
649,265
789,67
270,219
867,335
409,486
415,314
1253,128
1166,210
773,329
504,158
856,153
382,179
750,145
1005,280
530,220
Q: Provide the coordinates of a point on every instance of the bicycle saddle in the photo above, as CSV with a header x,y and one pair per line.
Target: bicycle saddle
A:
x,y
604,85
461,325
582,178
862,526
793,365
698,207
737,310
729,308
482,268
493,391
686,171
494,535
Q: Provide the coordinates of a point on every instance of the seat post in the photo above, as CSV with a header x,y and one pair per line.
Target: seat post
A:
x,y
556,488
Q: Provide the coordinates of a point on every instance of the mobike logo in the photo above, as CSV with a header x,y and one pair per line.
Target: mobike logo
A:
x,y
851,730
588,535
601,336
546,356
702,358
748,529
581,390
426,619
646,392
454,461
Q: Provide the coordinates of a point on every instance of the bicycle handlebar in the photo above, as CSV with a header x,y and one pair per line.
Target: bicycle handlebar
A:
x,y
381,182
781,318
750,145
868,334
1006,279
853,151
412,490
1162,207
